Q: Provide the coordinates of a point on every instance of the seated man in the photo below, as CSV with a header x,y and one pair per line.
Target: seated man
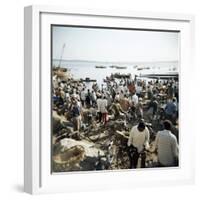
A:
x,y
138,139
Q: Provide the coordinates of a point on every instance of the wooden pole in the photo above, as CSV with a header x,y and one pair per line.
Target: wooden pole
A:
x,y
61,55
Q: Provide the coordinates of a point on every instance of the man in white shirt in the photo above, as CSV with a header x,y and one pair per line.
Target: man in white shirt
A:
x,y
167,146
103,109
138,139
135,99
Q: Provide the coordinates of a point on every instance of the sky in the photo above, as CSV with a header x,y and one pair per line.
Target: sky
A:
x,y
114,45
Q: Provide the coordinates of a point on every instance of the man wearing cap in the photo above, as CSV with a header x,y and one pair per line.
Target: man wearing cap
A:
x,y
138,140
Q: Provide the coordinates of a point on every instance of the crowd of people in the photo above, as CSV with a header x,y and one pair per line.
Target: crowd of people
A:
x,y
135,101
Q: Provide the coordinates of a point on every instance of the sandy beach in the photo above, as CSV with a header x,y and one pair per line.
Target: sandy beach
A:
x,y
86,137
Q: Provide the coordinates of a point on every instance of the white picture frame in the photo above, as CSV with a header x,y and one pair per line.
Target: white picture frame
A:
x,y
37,141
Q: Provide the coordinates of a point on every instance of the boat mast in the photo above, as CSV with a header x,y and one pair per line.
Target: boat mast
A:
x,y
63,47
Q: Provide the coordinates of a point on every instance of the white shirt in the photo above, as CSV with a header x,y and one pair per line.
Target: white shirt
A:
x,y
74,95
83,94
138,89
55,82
121,96
135,99
103,106
62,85
139,139
67,95
94,97
99,103
117,97
79,104
167,147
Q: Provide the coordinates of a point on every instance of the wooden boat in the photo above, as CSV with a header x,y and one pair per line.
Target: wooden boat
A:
x,y
118,67
165,76
118,75
100,66
87,79
141,68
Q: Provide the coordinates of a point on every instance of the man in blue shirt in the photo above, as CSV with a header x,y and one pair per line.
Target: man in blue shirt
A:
x,y
171,109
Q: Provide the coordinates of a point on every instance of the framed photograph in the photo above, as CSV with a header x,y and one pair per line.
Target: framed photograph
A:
x,y
106,99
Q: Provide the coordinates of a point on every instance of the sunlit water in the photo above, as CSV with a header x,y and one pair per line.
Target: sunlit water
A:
x,y
88,70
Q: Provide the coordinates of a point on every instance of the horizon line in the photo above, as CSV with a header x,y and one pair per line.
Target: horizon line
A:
x,y
83,60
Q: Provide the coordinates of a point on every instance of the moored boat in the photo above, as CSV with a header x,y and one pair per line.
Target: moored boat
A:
x,y
87,79
100,66
118,67
118,75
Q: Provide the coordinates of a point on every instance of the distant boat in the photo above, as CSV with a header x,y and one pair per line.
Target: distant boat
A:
x,y
100,66
135,66
165,76
118,75
118,67
87,79
141,68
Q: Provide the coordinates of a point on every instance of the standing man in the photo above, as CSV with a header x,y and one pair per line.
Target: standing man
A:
x,y
94,98
83,96
103,109
171,110
139,109
88,99
135,99
138,140
76,115
99,101
166,146
152,109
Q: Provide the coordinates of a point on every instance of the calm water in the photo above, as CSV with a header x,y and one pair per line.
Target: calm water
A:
x,y
87,69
